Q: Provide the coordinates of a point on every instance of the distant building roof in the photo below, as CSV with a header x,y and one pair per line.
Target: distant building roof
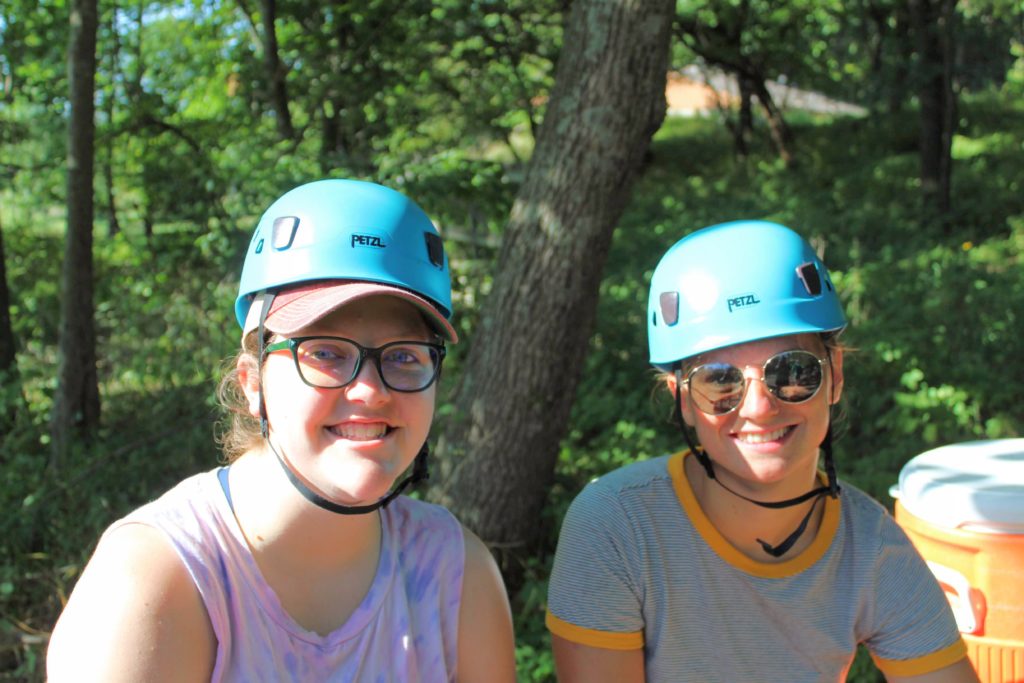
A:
x,y
695,91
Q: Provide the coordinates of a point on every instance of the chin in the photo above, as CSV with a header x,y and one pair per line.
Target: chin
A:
x,y
362,490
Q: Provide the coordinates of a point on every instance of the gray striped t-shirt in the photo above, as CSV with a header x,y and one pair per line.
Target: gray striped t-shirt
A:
x,y
639,565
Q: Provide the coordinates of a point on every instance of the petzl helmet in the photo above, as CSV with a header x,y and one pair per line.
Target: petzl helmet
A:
x,y
324,244
345,230
734,283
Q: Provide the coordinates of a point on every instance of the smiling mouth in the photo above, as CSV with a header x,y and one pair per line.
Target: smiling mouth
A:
x,y
360,432
755,438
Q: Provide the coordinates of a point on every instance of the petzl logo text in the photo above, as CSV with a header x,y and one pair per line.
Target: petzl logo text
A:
x,y
742,301
367,241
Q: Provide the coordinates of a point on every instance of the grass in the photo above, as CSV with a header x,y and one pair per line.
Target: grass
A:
x,y
933,315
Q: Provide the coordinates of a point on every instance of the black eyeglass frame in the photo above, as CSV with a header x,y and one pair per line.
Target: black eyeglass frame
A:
x,y
764,369
293,343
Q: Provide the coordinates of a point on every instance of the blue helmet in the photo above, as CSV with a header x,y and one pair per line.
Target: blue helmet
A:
x,y
734,283
345,230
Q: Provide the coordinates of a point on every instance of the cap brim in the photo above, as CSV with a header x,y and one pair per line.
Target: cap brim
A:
x,y
299,307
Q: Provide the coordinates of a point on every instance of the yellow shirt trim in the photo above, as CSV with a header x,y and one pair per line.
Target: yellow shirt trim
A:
x,y
923,665
725,550
609,640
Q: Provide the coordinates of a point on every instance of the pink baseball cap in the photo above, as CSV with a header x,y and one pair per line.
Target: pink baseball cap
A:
x,y
298,307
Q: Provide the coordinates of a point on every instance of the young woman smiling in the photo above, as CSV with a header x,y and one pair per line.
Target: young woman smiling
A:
x,y
740,560
300,561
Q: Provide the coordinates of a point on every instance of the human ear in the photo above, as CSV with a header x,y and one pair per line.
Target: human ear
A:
x,y
672,380
249,380
836,365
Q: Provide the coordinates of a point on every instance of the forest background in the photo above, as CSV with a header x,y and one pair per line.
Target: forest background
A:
x,y
139,142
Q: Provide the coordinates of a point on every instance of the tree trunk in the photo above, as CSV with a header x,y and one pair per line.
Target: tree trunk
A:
x,y
932,22
275,72
899,78
113,223
782,136
745,125
10,385
76,408
517,387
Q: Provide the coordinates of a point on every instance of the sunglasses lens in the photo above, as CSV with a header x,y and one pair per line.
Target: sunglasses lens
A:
x,y
716,388
793,376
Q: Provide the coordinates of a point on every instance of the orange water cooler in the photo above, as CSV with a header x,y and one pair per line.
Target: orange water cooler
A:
x,y
963,507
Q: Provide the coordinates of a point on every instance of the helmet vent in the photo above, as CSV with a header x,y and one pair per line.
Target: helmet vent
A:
x,y
435,249
669,307
284,231
808,274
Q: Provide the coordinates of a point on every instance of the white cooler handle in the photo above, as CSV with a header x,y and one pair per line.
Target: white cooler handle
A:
x,y
967,619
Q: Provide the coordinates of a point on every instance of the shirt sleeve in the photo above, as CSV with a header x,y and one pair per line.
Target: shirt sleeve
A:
x,y
914,631
594,595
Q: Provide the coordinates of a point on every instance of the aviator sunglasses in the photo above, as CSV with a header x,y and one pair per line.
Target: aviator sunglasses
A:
x,y
791,376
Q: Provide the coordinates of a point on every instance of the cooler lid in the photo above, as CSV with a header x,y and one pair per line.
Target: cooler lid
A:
x,y
975,485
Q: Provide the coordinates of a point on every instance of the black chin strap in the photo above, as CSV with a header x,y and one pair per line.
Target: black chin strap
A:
x,y
831,488
419,468
419,473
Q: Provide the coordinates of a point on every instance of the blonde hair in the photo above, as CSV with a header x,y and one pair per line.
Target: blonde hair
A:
x,y
238,431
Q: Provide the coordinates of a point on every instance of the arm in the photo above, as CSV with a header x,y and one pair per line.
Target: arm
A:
x,y
486,641
135,615
959,672
575,663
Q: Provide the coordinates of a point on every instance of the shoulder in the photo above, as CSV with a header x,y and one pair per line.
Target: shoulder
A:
x,y
135,614
860,504
186,506
486,640
627,483
618,501
640,474
418,522
868,521
482,577
420,512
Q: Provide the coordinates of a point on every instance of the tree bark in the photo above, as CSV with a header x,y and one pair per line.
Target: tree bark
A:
x,y
745,126
113,222
781,134
76,409
275,71
932,22
517,387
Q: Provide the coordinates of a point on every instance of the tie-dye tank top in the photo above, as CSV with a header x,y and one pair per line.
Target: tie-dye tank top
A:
x,y
404,630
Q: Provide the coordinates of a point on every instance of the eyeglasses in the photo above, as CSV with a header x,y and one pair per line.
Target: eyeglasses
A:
x,y
791,376
334,362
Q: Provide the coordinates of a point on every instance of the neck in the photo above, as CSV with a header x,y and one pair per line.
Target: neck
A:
x,y
742,522
278,522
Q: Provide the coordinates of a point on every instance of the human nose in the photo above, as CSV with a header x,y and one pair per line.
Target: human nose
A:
x,y
368,385
757,400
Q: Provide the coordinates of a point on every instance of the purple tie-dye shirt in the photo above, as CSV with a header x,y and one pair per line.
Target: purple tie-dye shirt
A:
x,y
403,631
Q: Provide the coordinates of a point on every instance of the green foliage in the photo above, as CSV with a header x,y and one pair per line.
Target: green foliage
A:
x,y
441,99
934,332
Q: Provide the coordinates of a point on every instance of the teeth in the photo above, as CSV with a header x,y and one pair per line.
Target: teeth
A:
x,y
360,432
761,437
